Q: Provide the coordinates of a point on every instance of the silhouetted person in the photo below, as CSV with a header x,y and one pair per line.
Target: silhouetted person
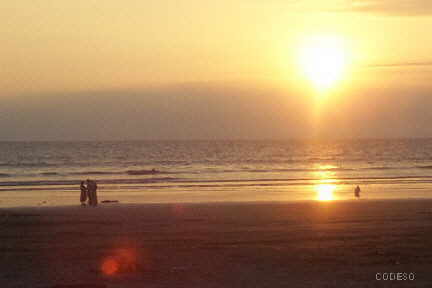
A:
x,y
84,193
95,198
92,188
89,192
357,192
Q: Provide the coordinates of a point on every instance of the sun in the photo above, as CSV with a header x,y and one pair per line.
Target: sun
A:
x,y
323,61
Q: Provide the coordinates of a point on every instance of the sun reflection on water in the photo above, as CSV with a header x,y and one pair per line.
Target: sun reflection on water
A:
x,y
326,184
324,192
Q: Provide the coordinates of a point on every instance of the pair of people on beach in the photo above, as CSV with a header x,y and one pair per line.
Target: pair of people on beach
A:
x,y
88,192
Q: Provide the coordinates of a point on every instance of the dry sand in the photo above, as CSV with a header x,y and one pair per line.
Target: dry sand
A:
x,y
306,244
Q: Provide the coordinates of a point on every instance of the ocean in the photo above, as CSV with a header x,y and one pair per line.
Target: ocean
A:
x,y
49,173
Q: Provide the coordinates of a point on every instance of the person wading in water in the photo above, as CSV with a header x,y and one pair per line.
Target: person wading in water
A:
x,y
357,192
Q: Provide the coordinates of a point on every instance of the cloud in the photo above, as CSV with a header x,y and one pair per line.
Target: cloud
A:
x,y
390,7
381,7
402,64
192,111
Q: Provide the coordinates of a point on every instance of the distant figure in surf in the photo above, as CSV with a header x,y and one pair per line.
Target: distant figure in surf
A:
x,y
357,192
92,192
84,193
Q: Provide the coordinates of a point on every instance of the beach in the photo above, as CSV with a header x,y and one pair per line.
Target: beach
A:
x,y
265,244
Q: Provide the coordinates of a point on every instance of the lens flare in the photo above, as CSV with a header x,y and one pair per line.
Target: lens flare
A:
x,y
110,266
120,260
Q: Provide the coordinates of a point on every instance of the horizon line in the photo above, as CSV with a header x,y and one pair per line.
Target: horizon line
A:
x,y
224,139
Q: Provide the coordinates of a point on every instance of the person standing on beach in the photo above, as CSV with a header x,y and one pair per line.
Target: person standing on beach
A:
x,y
89,192
84,193
95,198
92,188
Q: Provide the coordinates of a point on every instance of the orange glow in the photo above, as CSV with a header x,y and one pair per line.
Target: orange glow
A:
x,y
110,266
121,260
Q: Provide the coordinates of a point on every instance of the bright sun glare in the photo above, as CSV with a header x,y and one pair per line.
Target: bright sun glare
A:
x,y
325,192
323,60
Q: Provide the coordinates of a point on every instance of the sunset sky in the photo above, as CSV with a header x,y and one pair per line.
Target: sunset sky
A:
x,y
198,69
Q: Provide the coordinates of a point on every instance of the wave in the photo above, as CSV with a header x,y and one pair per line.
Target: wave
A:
x,y
278,170
335,169
145,172
168,183
313,169
214,171
424,167
28,164
77,182
396,168
128,172
243,170
382,168
96,173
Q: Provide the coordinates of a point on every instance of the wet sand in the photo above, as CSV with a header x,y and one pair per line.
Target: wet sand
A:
x,y
305,244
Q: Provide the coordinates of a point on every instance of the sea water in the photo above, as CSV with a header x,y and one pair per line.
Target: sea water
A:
x,y
49,173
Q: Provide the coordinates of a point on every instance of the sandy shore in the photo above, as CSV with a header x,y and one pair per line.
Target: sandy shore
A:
x,y
306,244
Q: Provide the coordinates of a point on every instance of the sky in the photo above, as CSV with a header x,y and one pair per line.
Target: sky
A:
x,y
198,69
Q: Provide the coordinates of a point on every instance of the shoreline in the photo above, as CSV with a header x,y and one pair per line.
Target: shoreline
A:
x,y
216,202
